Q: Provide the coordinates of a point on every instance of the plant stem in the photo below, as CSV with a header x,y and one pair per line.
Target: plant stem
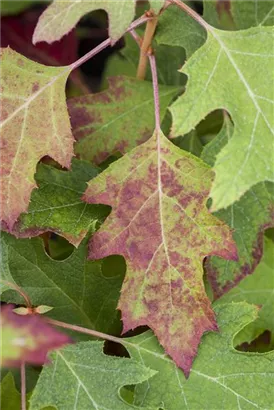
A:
x,y
81,329
153,67
19,290
23,386
146,45
191,13
143,19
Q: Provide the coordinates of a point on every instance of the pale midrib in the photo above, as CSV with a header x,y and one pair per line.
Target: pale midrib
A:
x,y
80,381
125,113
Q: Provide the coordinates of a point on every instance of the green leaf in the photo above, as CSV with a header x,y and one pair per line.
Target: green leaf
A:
x,y
57,206
35,123
117,119
258,289
83,377
61,16
13,7
248,218
239,15
224,74
10,397
26,338
221,377
169,60
176,28
78,290
160,224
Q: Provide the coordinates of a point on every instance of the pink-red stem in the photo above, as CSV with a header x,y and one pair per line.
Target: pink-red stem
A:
x,y
23,386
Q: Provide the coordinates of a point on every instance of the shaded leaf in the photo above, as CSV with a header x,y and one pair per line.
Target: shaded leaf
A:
x,y
117,119
10,397
220,377
83,377
27,338
248,218
16,32
57,206
35,123
160,224
258,289
176,28
78,290
169,60
239,15
232,58
13,7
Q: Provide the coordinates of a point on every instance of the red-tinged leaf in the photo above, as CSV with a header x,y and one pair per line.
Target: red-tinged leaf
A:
x,y
116,119
27,338
161,225
17,31
34,123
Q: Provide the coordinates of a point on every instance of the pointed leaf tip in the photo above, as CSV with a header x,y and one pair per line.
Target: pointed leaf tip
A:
x,y
161,225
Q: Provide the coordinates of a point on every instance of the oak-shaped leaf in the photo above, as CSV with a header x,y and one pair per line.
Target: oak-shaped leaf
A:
x,y
27,338
34,123
62,15
248,218
224,74
160,224
81,377
258,289
116,119
221,377
78,290
56,205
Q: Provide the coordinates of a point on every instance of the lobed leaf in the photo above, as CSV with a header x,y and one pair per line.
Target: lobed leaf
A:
x,y
223,74
248,218
117,119
220,376
56,205
83,377
258,289
78,290
160,224
34,123
27,338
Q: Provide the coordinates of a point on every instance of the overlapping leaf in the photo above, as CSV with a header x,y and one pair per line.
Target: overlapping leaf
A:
x,y
176,28
239,15
117,119
77,289
61,16
160,224
57,206
169,60
34,123
224,74
83,377
248,218
258,289
26,338
221,377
